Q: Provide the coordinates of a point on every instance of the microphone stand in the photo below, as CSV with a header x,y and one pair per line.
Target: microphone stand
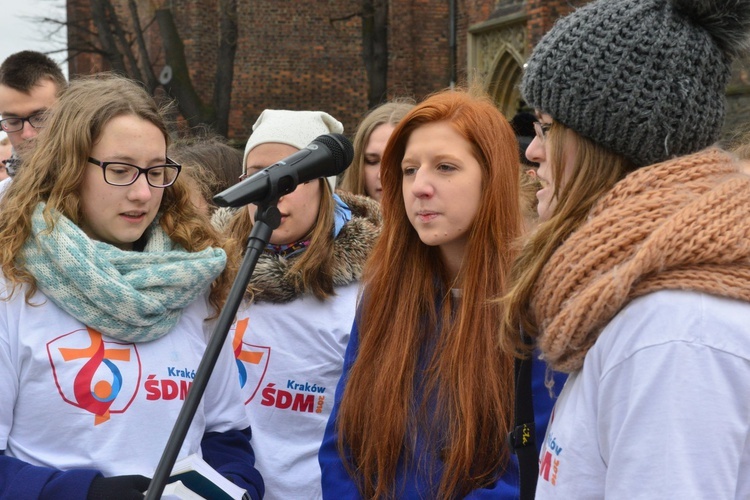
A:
x,y
267,218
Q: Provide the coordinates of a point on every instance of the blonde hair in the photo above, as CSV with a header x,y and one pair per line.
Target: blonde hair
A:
x,y
389,113
529,186
597,169
741,149
54,174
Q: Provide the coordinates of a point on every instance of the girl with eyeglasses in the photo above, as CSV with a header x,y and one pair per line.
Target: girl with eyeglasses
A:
x,y
109,275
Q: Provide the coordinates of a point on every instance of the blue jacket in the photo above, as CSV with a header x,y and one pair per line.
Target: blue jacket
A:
x,y
227,452
337,484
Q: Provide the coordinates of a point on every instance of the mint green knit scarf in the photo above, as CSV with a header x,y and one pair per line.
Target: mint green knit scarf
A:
x,y
131,296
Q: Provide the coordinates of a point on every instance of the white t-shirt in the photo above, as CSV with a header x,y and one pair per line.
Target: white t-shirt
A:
x,y
73,398
4,184
661,407
291,356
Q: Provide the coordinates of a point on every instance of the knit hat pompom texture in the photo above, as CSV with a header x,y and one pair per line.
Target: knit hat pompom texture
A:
x,y
294,128
644,78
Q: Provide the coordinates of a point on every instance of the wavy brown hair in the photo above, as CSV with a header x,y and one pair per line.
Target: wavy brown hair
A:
x,y
596,171
54,173
212,164
467,373
312,271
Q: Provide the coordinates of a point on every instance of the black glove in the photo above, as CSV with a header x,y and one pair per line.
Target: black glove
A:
x,y
118,488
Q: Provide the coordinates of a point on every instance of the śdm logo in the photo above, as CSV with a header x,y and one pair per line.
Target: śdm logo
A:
x,y
249,356
97,376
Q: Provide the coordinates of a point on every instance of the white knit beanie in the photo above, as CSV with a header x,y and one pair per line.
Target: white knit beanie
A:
x,y
295,128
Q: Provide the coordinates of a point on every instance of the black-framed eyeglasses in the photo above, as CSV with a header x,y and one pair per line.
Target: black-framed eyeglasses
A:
x,y
15,123
541,130
124,174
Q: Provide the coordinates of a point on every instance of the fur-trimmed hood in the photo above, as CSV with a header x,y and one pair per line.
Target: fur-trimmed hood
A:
x,y
271,280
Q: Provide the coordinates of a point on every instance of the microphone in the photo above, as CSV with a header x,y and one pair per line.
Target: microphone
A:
x,y
327,155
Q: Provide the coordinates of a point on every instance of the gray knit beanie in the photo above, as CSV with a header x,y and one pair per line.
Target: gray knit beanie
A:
x,y
644,78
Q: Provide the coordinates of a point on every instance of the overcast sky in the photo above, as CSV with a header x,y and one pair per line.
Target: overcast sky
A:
x,y
22,32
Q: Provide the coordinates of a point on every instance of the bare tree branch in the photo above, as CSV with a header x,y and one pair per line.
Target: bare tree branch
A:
x,y
125,46
225,63
106,38
148,71
345,18
180,86
375,49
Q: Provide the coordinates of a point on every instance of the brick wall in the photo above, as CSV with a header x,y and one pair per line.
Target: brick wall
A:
x,y
79,14
542,14
298,55
308,55
304,55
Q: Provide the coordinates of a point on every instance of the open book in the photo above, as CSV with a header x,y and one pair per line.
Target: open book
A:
x,y
178,491
201,481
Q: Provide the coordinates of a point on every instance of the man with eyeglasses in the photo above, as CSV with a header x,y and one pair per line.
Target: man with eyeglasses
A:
x,y
30,83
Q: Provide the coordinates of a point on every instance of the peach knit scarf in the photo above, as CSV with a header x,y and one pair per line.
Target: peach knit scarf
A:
x,y
682,224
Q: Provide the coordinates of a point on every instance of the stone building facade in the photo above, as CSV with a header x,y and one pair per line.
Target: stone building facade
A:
x,y
308,55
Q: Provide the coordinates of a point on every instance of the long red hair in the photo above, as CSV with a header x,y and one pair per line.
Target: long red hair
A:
x,y
423,350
